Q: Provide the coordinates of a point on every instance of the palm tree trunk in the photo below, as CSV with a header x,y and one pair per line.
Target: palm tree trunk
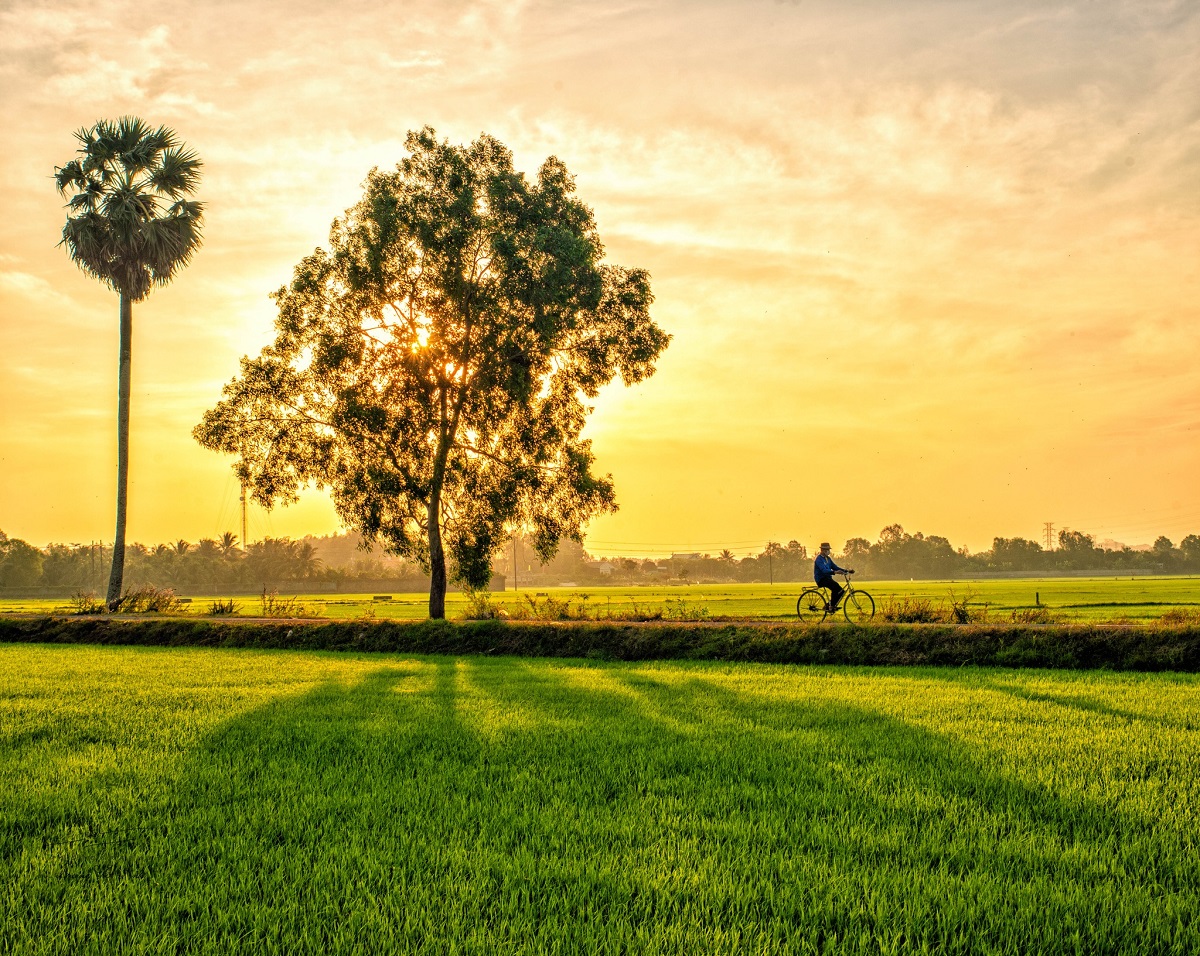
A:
x,y
117,575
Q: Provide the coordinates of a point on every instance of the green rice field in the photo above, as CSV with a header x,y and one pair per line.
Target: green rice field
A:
x,y
216,801
1136,599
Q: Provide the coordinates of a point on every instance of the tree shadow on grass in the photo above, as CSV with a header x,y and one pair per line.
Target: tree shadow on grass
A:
x,y
510,806
1089,699
1086,704
926,839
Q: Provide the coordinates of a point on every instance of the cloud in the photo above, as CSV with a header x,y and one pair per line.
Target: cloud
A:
x,y
146,66
89,58
26,27
967,230
176,103
32,288
419,59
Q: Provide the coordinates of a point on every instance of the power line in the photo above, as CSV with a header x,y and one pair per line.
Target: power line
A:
x,y
651,545
1132,529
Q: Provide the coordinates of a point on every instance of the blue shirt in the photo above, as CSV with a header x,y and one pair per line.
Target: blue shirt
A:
x,y
824,567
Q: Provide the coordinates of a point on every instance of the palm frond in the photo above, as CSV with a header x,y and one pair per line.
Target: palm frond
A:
x,y
131,225
130,202
189,208
68,176
136,145
178,172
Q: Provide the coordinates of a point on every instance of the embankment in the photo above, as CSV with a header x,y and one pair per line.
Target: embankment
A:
x,y
1146,648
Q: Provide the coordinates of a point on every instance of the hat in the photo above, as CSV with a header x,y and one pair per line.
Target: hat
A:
x,y
824,545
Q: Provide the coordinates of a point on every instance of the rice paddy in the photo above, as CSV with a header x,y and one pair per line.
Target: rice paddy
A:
x,y
1083,600
211,801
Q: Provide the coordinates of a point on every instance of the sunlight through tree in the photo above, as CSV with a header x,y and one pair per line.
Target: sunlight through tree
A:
x,y
431,368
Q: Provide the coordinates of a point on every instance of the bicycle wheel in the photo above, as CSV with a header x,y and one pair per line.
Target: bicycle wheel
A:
x,y
859,607
811,606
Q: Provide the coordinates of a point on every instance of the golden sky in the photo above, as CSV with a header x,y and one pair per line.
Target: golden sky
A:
x,y
931,263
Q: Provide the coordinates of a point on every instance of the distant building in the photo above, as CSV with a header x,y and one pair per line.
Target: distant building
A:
x,y
1108,544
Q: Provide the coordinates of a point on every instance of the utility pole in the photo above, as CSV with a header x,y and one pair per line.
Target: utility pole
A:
x,y
245,543
771,566
514,561
1048,535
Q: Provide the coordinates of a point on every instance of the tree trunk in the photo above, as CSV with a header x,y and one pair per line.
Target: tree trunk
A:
x,y
117,575
437,562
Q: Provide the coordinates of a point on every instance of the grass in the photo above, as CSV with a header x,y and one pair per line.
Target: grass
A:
x,y
208,801
1083,600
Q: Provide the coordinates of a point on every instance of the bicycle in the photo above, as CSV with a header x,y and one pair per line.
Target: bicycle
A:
x,y
812,607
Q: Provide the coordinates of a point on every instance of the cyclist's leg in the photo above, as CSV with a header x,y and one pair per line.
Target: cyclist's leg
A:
x,y
835,590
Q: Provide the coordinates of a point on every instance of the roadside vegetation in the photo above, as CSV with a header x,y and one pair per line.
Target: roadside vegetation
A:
x,y
309,803
1151,647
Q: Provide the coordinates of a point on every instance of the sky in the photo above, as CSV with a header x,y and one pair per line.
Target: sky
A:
x,y
930,263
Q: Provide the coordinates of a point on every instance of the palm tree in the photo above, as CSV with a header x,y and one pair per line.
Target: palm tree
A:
x,y
307,561
229,546
132,226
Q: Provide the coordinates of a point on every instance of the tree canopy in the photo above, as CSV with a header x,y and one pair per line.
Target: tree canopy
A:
x,y
432,367
132,223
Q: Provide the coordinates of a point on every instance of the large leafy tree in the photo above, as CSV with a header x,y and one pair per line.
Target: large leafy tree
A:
x,y
132,225
431,368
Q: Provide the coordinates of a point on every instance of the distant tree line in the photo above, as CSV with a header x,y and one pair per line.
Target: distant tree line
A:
x,y
339,562
212,564
895,554
899,554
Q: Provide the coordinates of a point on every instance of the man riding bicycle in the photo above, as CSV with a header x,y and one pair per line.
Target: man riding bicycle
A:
x,y
823,569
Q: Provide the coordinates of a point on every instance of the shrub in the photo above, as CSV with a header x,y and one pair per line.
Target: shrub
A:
x,y
631,612
1181,615
681,610
218,607
545,607
1032,615
272,605
480,607
150,600
910,610
960,611
86,602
